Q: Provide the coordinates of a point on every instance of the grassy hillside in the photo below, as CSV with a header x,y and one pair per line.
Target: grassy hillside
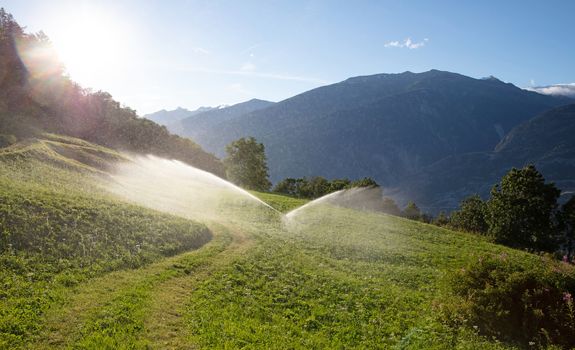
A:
x,y
338,278
57,228
83,269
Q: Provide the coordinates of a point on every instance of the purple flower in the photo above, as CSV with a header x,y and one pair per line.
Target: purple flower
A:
x,y
565,258
567,297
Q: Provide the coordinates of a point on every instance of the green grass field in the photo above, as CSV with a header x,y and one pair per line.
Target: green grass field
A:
x,y
83,269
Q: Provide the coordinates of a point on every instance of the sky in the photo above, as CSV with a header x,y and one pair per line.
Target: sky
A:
x,y
161,54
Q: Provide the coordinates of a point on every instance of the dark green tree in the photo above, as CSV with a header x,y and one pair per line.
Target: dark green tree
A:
x,y
288,186
338,184
365,182
442,219
521,210
471,215
246,164
412,211
315,187
567,220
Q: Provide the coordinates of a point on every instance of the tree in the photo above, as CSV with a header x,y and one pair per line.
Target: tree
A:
x,y
365,182
521,209
338,184
412,211
567,219
288,186
471,215
315,187
246,164
442,219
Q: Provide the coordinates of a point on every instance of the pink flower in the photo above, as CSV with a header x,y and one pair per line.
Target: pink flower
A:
x,y
565,258
567,297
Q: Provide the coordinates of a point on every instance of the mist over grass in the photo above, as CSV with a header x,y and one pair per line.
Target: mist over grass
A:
x,y
174,187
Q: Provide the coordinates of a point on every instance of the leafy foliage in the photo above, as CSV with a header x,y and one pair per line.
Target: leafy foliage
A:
x,y
521,211
246,164
530,303
471,215
318,186
567,220
442,219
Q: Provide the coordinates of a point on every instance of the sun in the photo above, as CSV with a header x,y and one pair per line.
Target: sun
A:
x,y
90,43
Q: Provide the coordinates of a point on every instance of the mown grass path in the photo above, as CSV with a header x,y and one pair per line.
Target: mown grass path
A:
x,y
137,308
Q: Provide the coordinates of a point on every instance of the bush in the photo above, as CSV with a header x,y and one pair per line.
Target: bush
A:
x,y
471,216
519,302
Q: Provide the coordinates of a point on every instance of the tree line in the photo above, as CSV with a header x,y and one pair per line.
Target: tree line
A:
x,y
522,211
246,166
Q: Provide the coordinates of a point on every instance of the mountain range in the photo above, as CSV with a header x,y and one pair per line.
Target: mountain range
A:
x,y
409,131
173,117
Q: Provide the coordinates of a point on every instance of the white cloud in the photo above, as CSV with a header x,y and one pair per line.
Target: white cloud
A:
x,y
407,43
557,89
200,50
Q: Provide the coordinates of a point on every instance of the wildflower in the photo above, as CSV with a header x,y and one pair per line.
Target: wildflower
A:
x,y
567,297
565,258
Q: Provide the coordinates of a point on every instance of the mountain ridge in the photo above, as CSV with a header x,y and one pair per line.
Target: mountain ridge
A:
x,y
448,114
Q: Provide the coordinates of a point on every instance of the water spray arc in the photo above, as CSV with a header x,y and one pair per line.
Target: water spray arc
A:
x,y
180,189
360,198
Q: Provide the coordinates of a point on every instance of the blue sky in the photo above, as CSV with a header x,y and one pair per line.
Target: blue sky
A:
x,y
162,54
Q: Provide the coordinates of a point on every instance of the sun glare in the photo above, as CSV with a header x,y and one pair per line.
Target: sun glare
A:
x,y
90,42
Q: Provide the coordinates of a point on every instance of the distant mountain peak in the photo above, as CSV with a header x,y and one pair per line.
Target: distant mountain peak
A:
x,y
492,78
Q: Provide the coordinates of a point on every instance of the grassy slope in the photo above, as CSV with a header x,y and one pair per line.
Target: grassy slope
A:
x,y
58,229
338,278
332,278
279,202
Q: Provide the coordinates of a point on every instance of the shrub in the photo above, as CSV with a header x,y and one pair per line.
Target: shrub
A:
x,y
471,216
526,303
